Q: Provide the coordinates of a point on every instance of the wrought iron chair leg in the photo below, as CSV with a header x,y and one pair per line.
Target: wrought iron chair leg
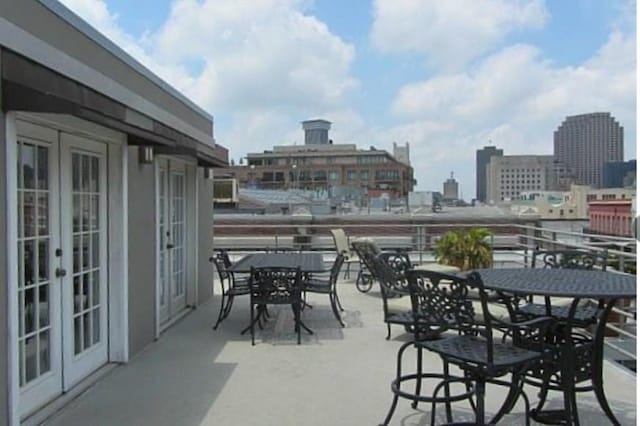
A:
x,y
338,300
388,331
509,401
334,308
221,312
394,402
480,392
253,342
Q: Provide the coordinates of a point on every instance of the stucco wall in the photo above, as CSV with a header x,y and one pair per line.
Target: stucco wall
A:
x,y
4,308
142,250
205,237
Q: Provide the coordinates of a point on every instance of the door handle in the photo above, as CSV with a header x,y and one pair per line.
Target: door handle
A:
x,y
170,246
60,272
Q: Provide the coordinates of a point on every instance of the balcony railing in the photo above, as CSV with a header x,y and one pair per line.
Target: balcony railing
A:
x,y
513,245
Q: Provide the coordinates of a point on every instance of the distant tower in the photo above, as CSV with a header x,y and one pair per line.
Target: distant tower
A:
x,y
450,189
316,132
483,156
401,153
584,143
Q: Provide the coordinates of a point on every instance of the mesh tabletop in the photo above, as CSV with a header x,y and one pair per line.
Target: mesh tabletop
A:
x,y
560,282
307,262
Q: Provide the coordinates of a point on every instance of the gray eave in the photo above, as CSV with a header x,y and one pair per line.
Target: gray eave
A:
x,y
78,23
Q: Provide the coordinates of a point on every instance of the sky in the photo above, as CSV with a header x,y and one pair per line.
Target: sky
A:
x,y
448,77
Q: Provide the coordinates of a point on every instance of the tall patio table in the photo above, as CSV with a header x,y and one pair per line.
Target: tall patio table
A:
x,y
606,287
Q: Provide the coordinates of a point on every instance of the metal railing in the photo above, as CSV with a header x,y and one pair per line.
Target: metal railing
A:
x,y
513,245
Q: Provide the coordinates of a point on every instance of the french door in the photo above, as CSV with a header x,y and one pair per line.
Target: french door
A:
x,y
62,264
171,239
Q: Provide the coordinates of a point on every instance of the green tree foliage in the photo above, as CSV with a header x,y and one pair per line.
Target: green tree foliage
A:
x,y
466,249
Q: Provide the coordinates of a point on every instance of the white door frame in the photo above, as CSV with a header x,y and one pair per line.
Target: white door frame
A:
x,y
117,232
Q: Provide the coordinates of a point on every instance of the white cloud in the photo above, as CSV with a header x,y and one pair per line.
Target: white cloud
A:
x,y
453,32
260,63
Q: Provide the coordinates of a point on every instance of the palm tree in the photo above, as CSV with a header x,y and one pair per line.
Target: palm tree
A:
x,y
465,249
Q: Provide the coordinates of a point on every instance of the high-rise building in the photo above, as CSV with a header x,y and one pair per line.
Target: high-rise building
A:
x,y
450,189
584,143
509,175
618,174
483,156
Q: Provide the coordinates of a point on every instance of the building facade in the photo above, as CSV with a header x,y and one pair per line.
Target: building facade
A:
x,y
483,156
584,143
510,175
450,189
611,217
619,174
325,167
106,193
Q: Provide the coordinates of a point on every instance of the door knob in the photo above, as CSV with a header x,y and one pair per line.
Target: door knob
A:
x,y
60,272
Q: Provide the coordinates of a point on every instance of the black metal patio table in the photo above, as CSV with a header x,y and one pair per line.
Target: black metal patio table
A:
x,y
606,287
307,262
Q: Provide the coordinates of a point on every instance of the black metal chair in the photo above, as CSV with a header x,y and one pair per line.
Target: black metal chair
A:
x,y
396,307
275,286
572,346
441,303
328,286
398,260
231,285
586,312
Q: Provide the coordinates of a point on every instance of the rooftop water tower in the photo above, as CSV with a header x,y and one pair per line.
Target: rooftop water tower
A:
x,y
316,132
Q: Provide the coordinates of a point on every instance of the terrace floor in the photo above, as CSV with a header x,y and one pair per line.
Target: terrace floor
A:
x,y
195,376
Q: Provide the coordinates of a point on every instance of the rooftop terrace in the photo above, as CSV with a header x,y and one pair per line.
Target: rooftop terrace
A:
x,y
339,376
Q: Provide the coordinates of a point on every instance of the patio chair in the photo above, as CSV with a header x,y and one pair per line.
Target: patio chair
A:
x,y
569,330
396,307
398,260
329,287
587,311
441,304
231,286
275,286
341,242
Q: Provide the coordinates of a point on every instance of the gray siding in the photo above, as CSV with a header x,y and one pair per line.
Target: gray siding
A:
x,y
41,22
4,303
205,237
142,253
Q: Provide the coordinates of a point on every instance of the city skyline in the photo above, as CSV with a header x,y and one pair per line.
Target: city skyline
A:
x,y
430,74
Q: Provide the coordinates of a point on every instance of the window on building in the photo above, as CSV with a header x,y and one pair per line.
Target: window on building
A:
x,y
352,174
364,174
333,175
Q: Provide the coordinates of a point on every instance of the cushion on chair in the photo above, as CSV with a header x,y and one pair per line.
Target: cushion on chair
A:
x,y
397,305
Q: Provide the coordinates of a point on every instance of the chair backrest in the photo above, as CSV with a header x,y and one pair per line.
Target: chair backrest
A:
x,y
276,285
221,267
367,251
222,254
392,283
440,302
397,260
341,241
569,259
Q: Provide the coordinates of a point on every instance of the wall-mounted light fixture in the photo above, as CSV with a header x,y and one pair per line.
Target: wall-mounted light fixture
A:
x,y
145,154
208,173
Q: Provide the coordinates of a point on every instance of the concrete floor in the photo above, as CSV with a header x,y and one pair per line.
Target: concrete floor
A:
x,y
339,376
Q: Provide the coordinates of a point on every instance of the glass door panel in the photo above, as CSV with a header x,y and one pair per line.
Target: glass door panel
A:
x,y
40,373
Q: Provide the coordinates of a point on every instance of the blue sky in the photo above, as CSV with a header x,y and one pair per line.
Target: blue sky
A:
x,y
447,77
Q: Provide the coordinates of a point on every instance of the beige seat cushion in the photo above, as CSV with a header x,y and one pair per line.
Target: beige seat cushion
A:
x,y
397,305
437,267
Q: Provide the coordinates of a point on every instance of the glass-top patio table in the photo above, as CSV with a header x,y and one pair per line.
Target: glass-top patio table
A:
x,y
307,262
572,361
